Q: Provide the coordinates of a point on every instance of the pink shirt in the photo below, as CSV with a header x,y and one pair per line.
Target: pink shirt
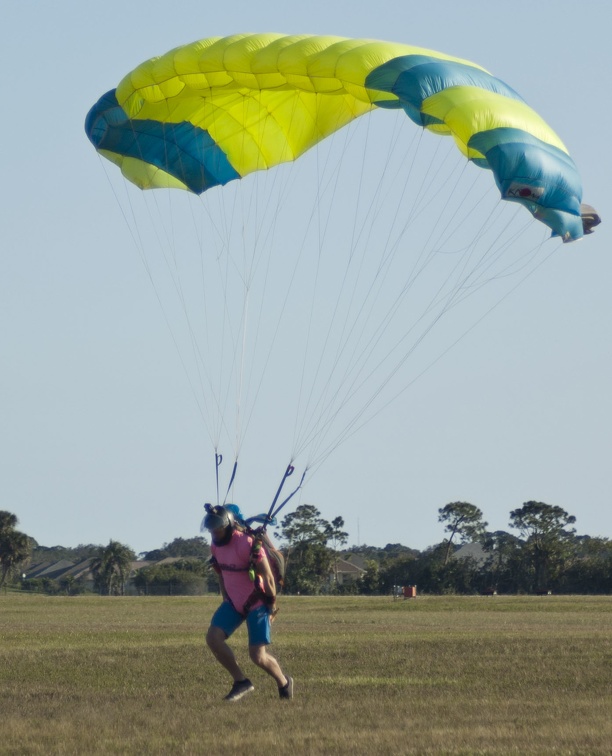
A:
x,y
233,560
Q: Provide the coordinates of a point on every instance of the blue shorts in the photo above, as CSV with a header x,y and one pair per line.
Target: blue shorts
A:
x,y
258,622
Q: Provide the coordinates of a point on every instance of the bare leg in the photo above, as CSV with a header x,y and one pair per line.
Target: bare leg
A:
x,y
216,640
260,656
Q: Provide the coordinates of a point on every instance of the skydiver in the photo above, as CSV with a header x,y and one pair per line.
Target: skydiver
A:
x,y
233,557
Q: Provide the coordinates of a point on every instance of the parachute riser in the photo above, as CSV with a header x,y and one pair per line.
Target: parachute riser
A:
x,y
274,510
218,461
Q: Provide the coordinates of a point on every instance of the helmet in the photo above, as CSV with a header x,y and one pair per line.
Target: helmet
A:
x,y
219,517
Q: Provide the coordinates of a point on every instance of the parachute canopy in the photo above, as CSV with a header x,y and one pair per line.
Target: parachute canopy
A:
x,y
216,110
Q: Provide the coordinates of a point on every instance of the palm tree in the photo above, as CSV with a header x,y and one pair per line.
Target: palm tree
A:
x,y
335,534
8,521
111,568
15,547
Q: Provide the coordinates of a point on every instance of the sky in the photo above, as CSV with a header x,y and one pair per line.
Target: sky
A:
x,y
100,437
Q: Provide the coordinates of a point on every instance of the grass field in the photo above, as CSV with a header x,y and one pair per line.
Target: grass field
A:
x,y
459,675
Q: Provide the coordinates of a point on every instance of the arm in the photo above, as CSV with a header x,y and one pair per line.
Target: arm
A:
x,y
215,565
267,583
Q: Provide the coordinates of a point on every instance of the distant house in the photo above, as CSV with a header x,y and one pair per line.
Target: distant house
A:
x,y
81,571
357,560
473,551
169,560
344,572
52,570
130,588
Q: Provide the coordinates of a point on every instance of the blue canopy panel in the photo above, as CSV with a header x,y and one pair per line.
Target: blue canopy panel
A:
x,y
181,149
414,78
540,176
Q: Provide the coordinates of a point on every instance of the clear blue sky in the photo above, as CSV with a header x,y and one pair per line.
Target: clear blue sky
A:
x,y
99,437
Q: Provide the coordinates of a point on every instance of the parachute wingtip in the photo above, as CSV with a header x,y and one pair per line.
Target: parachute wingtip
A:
x,y
590,218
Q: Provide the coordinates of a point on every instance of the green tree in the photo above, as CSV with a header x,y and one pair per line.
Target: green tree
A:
x,y
42,585
462,519
15,547
427,571
309,569
369,583
72,554
308,559
304,526
397,571
8,521
337,536
111,568
71,586
394,550
591,568
504,569
181,547
184,577
548,542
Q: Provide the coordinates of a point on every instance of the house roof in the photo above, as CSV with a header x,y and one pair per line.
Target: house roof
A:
x,y
346,568
62,568
473,550
48,569
357,559
172,560
79,569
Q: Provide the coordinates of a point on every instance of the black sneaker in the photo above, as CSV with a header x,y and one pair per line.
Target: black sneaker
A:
x,y
287,690
239,689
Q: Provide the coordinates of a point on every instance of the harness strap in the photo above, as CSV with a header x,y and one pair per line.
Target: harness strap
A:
x,y
232,568
257,595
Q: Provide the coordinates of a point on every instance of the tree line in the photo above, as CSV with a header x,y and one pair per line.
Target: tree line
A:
x,y
545,554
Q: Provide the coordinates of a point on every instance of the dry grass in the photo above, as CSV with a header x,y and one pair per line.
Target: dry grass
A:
x,y
90,675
